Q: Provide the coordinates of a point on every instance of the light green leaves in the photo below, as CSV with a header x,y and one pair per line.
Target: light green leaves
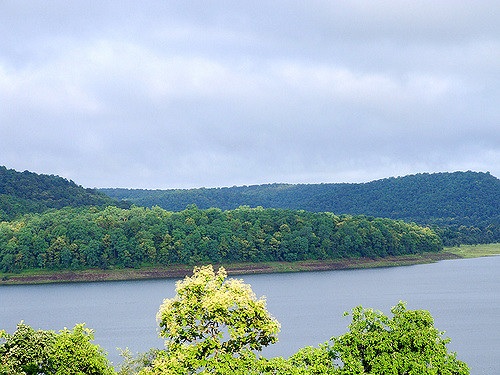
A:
x,y
26,351
69,352
212,325
73,353
213,315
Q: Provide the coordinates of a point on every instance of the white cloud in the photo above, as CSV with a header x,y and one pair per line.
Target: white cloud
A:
x,y
182,95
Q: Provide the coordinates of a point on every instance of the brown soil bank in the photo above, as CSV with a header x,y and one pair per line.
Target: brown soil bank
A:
x,y
41,277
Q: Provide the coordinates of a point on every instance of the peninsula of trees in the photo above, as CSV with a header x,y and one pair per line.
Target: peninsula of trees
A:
x,y
92,237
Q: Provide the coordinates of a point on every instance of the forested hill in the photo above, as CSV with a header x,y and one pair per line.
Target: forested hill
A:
x,y
470,197
24,192
466,205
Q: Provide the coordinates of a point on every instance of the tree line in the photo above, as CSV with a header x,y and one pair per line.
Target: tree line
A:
x,y
462,206
110,237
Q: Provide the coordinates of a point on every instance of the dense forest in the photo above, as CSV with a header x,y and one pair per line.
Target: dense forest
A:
x,y
28,192
91,237
463,207
48,222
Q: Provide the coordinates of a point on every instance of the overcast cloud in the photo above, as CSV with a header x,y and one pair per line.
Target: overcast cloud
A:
x,y
178,94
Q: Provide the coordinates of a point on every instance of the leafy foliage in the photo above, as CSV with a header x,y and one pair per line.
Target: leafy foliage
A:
x,y
214,326
463,205
211,323
407,343
90,237
28,351
215,316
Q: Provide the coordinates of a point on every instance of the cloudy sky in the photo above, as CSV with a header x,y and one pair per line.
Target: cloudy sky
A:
x,y
181,94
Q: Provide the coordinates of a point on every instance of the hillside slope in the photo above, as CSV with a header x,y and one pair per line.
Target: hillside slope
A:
x,y
28,192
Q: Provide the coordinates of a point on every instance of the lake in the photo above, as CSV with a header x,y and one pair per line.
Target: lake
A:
x,y
462,296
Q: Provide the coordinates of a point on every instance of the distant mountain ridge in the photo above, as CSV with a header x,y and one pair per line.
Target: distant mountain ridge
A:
x,y
415,197
460,201
463,207
28,192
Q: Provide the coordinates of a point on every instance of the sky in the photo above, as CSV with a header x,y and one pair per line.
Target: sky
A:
x,y
186,94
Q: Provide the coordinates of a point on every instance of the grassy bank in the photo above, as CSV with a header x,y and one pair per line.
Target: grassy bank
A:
x,y
179,271
475,251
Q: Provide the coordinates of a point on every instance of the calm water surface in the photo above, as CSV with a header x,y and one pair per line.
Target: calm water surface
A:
x,y
462,296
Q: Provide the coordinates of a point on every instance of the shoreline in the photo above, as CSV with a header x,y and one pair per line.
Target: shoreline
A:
x,y
233,269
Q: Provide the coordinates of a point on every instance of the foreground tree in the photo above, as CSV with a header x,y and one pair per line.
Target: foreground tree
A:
x,y
212,324
38,352
406,344
26,351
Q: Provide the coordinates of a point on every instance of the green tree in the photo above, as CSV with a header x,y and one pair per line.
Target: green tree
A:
x,y
26,351
211,321
407,343
73,353
38,352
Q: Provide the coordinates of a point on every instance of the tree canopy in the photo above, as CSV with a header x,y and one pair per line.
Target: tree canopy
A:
x,y
213,314
96,237
406,343
38,352
212,320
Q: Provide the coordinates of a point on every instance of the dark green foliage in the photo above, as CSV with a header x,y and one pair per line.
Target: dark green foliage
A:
x,y
464,206
25,192
90,237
